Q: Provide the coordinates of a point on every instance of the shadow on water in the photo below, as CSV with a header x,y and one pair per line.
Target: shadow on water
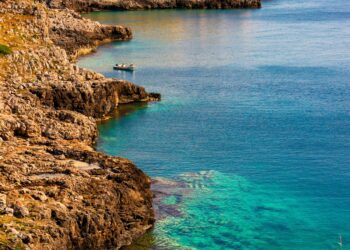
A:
x,y
121,111
145,242
124,110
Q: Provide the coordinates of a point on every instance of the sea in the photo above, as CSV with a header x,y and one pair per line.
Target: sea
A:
x,y
251,140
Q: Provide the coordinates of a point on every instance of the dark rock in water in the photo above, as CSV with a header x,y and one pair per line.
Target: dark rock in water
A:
x,y
129,92
155,96
163,189
168,210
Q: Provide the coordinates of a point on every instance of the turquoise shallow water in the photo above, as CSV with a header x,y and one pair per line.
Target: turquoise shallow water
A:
x,y
254,122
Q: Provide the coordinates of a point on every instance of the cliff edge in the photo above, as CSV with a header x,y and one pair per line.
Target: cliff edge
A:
x,y
56,191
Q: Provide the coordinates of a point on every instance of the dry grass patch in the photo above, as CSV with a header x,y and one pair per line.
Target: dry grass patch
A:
x,y
16,33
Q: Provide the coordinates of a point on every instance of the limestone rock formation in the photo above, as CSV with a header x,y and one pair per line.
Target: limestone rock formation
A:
x,y
78,35
56,191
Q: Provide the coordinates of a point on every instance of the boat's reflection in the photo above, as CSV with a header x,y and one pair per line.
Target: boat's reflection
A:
x,y
122,74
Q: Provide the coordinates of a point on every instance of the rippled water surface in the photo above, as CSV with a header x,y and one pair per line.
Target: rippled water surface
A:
x,y
254,122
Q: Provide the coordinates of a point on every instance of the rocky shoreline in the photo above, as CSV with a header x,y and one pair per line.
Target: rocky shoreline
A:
x,y
91,5
56,191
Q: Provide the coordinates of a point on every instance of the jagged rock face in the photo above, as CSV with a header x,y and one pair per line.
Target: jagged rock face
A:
x,y
74,34
88,5
56,191
66,196
93,98
129,92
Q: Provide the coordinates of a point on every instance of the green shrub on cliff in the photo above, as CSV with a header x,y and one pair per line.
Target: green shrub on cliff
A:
x,y
5,50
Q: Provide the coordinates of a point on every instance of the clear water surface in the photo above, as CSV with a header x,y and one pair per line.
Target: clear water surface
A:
x,y
255,120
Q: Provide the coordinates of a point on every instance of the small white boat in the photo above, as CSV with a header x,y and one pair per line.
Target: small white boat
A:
x,y
129,67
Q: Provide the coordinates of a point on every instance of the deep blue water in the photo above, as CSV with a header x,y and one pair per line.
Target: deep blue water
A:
x,y
254,119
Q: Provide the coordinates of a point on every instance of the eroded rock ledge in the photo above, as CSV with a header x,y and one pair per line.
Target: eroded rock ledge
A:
x,y
90,5
78,35
56,191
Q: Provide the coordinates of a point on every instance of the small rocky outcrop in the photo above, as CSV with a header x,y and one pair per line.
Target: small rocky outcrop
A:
x,y
56,191
78,35
95,97
90,5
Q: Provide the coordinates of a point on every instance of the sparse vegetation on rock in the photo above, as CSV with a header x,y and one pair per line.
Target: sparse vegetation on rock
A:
x,y
5,50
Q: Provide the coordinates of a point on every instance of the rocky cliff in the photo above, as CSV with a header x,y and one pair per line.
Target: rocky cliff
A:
x,y
56,191
89,5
